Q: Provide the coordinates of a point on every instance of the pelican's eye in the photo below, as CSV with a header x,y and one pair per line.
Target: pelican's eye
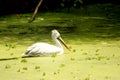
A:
x,y
58,37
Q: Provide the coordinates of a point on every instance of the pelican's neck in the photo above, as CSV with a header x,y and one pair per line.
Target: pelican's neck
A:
x,y
58,44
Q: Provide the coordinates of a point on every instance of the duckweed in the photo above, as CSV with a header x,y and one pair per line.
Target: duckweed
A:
x,y
72,59
7,66
37,67
53,55
18,70
90,36
85,53
62,65
25,68
87,78
23,61
44,74
11,54
74,50
97,50
100,58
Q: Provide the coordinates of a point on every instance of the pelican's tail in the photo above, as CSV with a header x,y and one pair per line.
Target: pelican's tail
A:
x,y
25,54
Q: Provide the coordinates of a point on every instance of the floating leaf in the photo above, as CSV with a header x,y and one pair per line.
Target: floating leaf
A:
x,y
72,59
44,74
58,71
12,54
74,50
37,67
53,55
13,46
87,78
107,58
89,58
106,77
55,73
113,55
25,68
97,50
85,53
18,70
10,45
100,58
23,60
97,54
7,66
118,64
62,65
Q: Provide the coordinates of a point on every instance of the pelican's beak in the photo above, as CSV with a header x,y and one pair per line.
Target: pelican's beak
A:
x,y
63,42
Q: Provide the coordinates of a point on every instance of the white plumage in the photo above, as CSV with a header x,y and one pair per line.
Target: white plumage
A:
x,y
45,49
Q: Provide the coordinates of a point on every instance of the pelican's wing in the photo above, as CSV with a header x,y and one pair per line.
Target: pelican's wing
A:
x,y
40,49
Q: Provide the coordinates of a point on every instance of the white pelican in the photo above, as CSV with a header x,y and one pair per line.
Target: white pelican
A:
x,y
45,49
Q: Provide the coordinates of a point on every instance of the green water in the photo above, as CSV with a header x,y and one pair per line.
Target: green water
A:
x,y
87,62
95,43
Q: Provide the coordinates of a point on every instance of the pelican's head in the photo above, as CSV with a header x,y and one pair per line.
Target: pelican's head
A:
x,y
56,35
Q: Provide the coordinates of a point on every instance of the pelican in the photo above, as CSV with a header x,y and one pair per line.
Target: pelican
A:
x,y
45,49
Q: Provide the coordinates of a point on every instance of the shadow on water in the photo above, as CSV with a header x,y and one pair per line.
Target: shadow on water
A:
x,y
21,33
21,29
89,28
16,58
